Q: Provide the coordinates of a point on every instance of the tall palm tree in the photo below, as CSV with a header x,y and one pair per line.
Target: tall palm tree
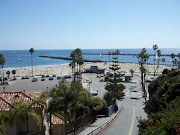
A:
x,y
25,112
172,57
31,51
158,54
8,73
2,61
14,72
109,53
155,47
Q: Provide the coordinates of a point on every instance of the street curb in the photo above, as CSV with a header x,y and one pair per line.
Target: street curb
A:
x,y
112,120
105,124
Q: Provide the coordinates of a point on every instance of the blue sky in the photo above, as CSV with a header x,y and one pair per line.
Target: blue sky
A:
x,y
89,24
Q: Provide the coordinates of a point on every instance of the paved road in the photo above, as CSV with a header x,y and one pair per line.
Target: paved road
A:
x,y
126,123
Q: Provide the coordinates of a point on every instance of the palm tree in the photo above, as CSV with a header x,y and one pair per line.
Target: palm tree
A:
x,y
131,71
8,73
172,57
109,53
31,51
25,112
155,47
158,54
14,72
2,61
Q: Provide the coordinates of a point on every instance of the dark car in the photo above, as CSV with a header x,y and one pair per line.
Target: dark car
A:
x,y
58,78
5,78
42,79
50,78
27,77
14,78
0,79
42,76
53,75
47,75
23,77
67,76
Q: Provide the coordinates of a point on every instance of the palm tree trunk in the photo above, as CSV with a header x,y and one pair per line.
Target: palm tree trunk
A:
x,y
154,63
3,74
32,64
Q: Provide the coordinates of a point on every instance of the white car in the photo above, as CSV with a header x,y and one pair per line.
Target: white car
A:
x,y
34,79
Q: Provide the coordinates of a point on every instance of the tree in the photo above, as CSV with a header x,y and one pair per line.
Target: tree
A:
x,y
131,71
158,54
172,57
2,61
8,73
155,47
142,56
25,112
109,53
14,72
31,51
113,84
77,62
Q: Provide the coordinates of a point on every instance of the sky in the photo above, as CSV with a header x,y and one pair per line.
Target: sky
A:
x,y
89,24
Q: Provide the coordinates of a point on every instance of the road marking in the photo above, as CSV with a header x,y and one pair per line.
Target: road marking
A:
x,y
132,123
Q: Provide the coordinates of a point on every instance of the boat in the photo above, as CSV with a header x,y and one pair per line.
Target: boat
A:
x,y
19,59
100,56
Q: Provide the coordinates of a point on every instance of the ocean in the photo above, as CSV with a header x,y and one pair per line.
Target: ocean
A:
x,y
12,57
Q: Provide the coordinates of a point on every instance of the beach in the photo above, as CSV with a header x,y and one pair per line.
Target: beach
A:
x,y
65,69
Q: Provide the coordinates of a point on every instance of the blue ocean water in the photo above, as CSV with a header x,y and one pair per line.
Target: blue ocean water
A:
x,y
11,56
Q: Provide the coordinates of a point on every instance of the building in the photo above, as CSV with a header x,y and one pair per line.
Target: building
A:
x,y
95,69
19,128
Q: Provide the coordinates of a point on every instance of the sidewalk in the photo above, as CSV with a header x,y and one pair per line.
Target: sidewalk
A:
x,y
98,124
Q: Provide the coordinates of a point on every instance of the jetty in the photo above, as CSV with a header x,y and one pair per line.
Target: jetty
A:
x,y
132,54
68,58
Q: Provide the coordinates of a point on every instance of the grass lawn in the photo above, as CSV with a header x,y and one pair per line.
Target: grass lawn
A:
x,y
155,74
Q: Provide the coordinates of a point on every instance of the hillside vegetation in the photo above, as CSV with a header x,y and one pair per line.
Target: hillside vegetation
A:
x,y
163,107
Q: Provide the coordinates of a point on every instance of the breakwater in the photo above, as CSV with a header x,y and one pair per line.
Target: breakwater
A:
x,y
122,54
68,58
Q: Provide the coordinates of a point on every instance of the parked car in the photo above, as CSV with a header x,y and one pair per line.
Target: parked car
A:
x,y
47,75
23,77
58,78
67,76
42,79
14,78
5,78
50,78
53,75
27,77
42,76
0,79
34,79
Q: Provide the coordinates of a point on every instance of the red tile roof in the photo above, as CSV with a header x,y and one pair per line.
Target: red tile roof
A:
x,y
56,119
8,98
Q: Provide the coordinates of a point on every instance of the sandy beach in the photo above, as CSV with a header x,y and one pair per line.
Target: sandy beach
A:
x,y
65,69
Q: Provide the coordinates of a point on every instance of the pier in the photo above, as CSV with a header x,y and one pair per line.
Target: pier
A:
x,y
123,54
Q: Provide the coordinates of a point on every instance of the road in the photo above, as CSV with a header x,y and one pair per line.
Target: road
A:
x,y
126,123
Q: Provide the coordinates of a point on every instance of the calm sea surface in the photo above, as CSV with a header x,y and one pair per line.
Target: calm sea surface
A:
x,y
12,57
